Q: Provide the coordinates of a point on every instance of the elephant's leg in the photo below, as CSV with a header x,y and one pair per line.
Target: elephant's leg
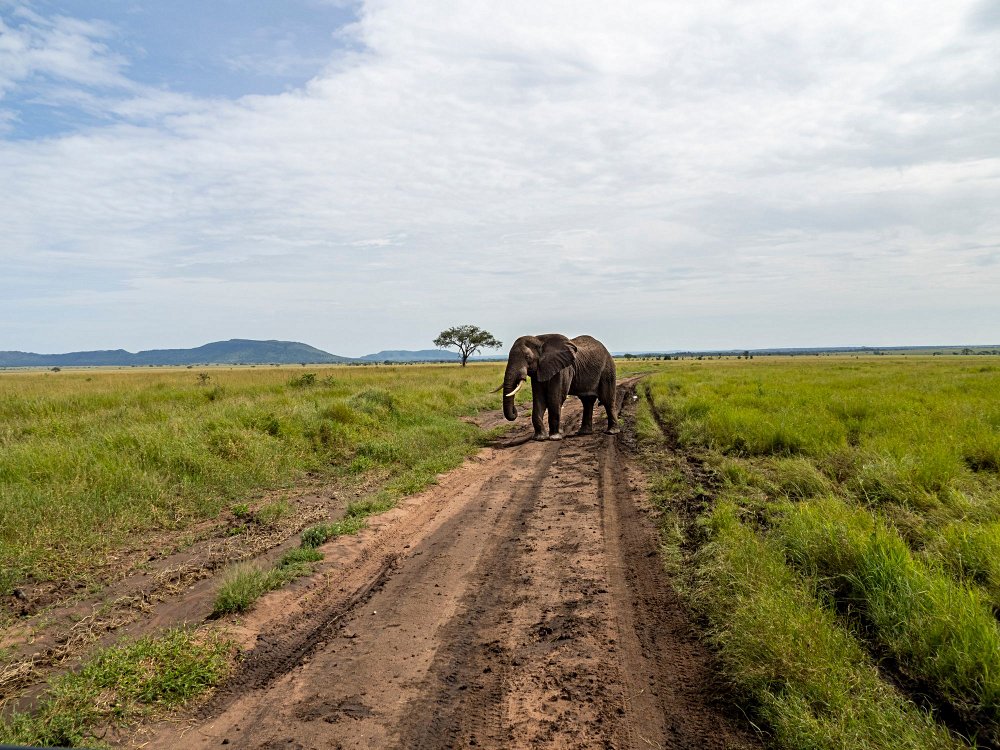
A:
x,y
537,414
587,426
608,397
556,395
554,417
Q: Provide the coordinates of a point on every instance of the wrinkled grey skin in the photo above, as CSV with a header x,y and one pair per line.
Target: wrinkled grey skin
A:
x,y
561,367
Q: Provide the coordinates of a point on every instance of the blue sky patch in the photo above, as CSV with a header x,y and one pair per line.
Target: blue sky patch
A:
x,y
221,49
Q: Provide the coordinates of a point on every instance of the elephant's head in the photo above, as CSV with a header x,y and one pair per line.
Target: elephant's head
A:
x,y
538,357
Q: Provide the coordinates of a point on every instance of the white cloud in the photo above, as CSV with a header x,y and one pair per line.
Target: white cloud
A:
x,y
61,48
533,166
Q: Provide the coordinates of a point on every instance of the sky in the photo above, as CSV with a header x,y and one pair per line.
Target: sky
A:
x,y
360,176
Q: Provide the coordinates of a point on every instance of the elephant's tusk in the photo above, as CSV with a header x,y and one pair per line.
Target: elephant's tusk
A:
x,y
498,388
515,390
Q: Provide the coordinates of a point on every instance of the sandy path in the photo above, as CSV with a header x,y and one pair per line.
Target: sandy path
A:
x,y
520,603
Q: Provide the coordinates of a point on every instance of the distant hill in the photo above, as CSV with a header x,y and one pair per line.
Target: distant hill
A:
x,y
232,352
406,355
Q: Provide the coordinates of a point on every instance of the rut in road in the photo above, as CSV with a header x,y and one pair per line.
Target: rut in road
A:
x,y
522,603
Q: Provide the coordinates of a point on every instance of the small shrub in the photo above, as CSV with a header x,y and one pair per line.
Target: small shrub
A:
x,y
316,535
241,510
304,380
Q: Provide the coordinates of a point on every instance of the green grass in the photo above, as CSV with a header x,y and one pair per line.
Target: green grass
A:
x,y
120,685
876,482
972,553
941,633
316,535
91,461
807,679
245,583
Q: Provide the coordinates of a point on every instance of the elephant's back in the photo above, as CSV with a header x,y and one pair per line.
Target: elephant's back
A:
x,y
594,364
589,342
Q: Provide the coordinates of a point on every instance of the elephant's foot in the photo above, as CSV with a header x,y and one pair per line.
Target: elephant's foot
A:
x,y
556,436
585,431
612,430
539,436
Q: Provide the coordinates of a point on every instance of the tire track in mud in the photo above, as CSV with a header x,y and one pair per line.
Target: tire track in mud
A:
x,y
522,603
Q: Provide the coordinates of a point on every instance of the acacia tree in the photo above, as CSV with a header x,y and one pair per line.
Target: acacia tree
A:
x,y
468,339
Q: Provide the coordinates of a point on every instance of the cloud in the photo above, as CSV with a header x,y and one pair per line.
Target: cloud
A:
x,y
58,48
536,166
985,16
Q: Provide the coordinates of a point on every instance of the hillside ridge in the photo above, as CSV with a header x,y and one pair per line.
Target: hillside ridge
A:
x,y
231,352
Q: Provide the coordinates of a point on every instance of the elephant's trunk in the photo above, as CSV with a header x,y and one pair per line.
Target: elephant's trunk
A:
x,y
509,410
511,380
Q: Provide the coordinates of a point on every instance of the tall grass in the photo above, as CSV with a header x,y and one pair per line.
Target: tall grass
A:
x,y
972,553
807,678
940,632
911,436
877,478
90,460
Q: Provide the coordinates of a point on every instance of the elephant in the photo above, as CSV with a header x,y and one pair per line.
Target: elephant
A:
x,y
559,367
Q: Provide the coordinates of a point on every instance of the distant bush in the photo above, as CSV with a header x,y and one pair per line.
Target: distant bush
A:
x,y
304,380
374,399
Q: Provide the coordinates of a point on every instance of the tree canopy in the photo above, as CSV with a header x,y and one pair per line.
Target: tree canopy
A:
x,y
468,340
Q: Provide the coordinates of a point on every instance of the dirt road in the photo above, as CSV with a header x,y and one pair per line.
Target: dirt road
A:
x,y
520,603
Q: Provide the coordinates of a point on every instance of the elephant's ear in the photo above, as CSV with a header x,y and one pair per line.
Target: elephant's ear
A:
x,y
558,354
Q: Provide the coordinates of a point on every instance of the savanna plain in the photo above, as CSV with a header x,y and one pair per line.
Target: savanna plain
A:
x,y
830,527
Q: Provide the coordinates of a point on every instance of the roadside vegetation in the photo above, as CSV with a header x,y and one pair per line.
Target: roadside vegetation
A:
x,y
244,583
101,467
835,522
120,685
90,461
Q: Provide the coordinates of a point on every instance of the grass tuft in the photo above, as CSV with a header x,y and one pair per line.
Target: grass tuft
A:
x,y
242,586
316,535
245,583
119,685
808,679
940,632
